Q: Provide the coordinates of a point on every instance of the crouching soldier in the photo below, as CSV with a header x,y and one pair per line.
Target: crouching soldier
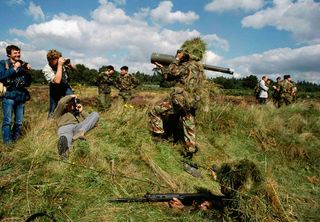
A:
x,y
73,122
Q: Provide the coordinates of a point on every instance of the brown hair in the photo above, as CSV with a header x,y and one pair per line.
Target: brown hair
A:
x,y
53,54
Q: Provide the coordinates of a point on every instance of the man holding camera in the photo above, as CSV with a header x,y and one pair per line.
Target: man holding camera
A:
x,y
15,78
73,122
56,74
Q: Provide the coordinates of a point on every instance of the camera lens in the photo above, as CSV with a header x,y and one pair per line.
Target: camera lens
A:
x,y
67,61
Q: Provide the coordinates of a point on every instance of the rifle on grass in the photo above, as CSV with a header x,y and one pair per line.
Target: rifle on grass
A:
x,y
185,198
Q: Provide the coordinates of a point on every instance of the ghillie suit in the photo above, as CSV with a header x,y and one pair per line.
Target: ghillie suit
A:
x,y
238,180
186,94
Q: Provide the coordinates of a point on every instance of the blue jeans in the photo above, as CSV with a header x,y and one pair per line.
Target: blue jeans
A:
x,y
9,107
54,102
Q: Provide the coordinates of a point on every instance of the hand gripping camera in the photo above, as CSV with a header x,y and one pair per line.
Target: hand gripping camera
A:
x,y
75,102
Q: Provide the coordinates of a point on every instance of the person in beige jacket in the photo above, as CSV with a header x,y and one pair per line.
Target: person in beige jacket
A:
x,y
73,122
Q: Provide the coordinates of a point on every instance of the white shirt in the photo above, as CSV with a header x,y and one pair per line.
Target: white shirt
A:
x,y
49,74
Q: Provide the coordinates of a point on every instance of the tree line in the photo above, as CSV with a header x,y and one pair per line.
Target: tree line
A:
x,y
87,76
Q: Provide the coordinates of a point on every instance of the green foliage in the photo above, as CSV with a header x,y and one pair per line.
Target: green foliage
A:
x,y
119,159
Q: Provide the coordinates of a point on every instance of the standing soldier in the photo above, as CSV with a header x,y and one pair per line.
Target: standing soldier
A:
x,y
287,90
185,95
125,82
276,96
104,81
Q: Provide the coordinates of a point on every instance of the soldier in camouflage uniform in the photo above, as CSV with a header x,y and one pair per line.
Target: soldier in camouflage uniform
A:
x,y
104,81
125,82
287,90
185,95
276,95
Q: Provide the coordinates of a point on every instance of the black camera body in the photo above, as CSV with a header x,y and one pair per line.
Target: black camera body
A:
x,y
24,65
67,62
74,102
22,79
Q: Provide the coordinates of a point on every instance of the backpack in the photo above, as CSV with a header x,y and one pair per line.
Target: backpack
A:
x,y
256,91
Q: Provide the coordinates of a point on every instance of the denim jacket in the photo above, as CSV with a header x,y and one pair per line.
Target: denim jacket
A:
x,y
15,81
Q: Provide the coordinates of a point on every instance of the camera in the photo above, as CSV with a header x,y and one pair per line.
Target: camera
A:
x,y
67,62
23,64
74,102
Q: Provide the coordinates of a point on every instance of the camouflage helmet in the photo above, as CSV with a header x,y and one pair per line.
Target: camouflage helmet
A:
x,y
195,48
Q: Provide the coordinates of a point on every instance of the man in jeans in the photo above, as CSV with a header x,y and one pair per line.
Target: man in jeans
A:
x,y
73,122
15,77
55,73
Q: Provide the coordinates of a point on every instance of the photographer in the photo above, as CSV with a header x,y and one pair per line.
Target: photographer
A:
x,y
56,74
73,122
15,78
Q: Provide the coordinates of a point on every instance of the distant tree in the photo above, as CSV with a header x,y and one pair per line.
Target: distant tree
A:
x,y
249,81
83,75
37,76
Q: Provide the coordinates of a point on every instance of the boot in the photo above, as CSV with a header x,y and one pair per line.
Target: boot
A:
x,y
63,147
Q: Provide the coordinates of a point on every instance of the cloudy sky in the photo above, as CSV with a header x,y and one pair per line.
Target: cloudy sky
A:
x,y
257,37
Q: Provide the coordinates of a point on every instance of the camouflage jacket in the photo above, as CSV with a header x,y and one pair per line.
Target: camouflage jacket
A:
x,y
104,83
189,81
286,88
126,83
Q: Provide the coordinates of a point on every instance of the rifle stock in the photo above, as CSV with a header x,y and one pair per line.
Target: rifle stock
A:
x,y
167,59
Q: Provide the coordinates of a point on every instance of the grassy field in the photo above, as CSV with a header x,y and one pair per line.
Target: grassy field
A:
x,y
119,159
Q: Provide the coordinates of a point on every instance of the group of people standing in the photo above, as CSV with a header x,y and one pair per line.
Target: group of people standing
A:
x,y
67,109
283,91
124,82
73,122
64,106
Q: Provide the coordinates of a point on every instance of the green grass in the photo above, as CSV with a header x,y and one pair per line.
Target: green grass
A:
x,y
119,159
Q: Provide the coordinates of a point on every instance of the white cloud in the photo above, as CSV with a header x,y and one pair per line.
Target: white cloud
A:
x,y
108,13
226,5
212,58
110,36
35,11
302,63
15,2
163,14
299,17
29,53
214,41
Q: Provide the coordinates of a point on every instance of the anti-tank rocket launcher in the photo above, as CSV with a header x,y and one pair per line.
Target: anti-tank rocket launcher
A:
x,y
165,60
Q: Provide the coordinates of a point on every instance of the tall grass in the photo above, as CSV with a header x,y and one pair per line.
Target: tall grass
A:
x,y
119,159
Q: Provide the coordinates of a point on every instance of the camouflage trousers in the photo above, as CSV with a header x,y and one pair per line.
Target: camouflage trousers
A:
x,y
104,101
166,108
126,95
285,99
